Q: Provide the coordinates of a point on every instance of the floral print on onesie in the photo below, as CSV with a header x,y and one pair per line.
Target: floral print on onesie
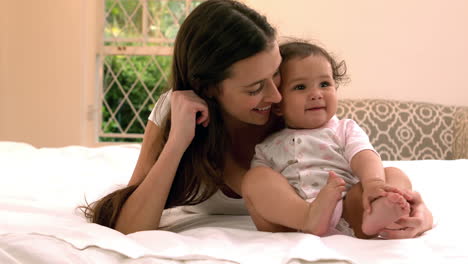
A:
x,y
305,156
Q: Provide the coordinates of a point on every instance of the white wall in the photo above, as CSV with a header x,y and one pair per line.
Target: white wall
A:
x,y
411,50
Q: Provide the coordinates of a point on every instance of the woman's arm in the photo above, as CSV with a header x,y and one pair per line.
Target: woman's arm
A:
x,y
144,207
154,176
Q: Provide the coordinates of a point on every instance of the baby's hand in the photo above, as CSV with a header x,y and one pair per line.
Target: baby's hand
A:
x,y
372,190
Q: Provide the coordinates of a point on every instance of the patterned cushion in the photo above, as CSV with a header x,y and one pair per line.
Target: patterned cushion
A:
x,y
410,130
460,144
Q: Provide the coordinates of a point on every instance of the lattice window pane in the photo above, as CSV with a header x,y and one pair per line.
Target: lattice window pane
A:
x,y
136,57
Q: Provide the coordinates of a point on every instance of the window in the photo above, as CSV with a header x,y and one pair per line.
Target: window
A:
x,y
134,62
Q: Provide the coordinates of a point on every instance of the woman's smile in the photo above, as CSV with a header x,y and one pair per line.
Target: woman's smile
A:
x,y
263,110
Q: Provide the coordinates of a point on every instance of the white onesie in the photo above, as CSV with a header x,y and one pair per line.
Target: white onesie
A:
x,y
305,157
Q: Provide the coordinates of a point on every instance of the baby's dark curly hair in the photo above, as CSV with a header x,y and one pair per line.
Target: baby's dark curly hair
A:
x,y
301,49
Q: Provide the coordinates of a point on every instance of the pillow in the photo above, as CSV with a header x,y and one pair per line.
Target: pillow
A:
x,y
406,130
460,131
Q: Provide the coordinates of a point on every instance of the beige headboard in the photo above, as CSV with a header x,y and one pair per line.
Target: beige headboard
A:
x,y
410,130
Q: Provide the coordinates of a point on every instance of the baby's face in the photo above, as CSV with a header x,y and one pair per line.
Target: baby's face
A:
x,y
309,92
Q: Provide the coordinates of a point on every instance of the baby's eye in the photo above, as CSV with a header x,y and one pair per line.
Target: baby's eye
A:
x,y
324,84
299,87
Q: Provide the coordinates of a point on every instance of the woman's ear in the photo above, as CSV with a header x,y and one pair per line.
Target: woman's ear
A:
x,y
276,109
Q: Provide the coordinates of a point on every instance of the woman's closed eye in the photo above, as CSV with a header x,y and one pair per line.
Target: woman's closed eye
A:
x,y
258,90
277,72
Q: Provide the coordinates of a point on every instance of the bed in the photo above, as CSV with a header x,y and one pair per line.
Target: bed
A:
x,y
41,188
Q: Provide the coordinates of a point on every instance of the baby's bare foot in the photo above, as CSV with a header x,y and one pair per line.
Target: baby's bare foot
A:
x,y
385,211
322,208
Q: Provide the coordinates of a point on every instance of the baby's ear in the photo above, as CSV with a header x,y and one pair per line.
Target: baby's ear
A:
x,y
276,109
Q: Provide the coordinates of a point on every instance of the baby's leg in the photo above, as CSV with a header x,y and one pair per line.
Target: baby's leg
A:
x,y
322,208
274,205
272,202
385,211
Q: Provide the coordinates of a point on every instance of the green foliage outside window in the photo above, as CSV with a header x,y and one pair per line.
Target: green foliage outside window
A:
x,y
134,79
135,73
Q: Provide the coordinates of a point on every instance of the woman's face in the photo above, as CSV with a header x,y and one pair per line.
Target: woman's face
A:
x,y
247,95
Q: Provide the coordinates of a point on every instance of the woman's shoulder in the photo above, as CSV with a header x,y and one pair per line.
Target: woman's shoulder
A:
x,y
161,108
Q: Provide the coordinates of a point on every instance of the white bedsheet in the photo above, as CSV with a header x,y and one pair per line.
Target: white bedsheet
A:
x,y
40,189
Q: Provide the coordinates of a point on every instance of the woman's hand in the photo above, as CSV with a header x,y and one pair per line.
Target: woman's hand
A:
x,y
184,108
419,221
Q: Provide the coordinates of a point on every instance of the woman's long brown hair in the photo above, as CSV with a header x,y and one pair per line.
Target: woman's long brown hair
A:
x,y
213,37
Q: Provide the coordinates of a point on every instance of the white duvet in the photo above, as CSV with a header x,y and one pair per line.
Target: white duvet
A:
x,y
40,189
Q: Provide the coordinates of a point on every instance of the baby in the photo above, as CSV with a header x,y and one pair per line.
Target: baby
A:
x,y
321,156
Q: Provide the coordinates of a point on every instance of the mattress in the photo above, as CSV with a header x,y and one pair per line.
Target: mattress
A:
x,y
41,188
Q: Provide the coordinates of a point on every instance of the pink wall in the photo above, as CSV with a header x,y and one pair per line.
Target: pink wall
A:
x,y
42,71
411,50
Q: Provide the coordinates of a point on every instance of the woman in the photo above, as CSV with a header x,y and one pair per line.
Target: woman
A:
x,y
224,80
